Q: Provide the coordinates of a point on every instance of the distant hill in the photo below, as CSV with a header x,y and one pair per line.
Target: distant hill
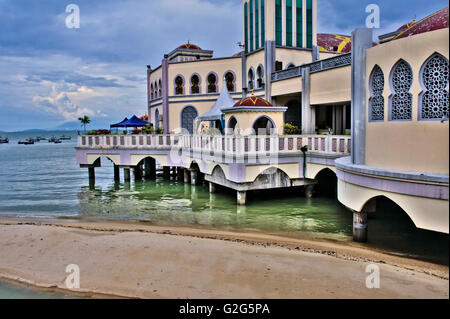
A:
x,y
69,126
33,130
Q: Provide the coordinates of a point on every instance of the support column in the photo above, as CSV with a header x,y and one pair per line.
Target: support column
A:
x,y
116,174
212,188
150,168
360,227
165,93
194,177
241,198
180,174
137,172
126,174
91,173
361,41
187,176
307,121
309,191
269,59
166,172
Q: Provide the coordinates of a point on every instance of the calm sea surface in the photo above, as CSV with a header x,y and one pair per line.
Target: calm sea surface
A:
x,y
43,181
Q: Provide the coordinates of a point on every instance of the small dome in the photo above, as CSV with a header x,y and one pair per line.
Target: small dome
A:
x,y
253,101
435,21
334,42
189,46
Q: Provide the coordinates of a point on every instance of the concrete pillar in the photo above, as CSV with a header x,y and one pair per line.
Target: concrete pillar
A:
x,y
187,176
165,93
137,172
361,41
166,172
241,198
244,72
150,168
212,188
180,174
116,174
91,173
309,191
269,59
307,121
360,227
126,174
194,177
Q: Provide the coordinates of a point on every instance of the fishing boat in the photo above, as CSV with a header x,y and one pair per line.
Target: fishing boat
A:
x,y
52,139
4,140
65,138
57,141
26,142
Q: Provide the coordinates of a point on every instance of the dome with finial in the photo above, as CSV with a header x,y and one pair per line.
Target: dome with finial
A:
x,y
189,46
435,21
253,101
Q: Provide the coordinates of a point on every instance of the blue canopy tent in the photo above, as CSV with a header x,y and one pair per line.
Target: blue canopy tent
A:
x,y
119,124
132,122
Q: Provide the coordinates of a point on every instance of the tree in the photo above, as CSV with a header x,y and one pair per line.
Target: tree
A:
x,y
84,121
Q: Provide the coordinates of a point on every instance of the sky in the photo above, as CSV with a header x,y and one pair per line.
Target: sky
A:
x,y
50,75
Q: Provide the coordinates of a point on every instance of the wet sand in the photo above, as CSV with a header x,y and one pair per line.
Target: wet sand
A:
x,y
145,261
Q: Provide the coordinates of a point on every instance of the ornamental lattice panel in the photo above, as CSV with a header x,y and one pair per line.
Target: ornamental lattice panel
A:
x,y
376,101
433,101
401,99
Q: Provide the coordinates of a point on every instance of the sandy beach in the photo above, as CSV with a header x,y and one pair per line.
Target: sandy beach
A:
x,y
145,261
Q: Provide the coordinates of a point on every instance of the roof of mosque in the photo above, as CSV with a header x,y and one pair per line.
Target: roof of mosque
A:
x,y
334,42
252,101
189,46
435,21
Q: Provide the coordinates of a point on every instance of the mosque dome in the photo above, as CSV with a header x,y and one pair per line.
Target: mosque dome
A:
x,y
189,46
253,101
334,42
435,21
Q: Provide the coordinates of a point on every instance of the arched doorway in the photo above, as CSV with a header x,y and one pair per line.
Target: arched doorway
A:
x,y
263,126
188,116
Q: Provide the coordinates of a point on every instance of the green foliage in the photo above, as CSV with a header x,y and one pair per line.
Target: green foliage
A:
x,y
159,130
125,132
290,129
148,129
85,120
212,131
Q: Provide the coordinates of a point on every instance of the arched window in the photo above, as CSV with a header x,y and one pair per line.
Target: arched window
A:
x,y
232,125
251,80
376,100
212,83
179,85
195,84
156,89
434,77
160,88
157,118
151,91
400,102
263,126
290,66
260,74
188,116
229,78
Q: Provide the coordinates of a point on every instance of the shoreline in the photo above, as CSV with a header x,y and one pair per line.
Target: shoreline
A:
x,y
184,241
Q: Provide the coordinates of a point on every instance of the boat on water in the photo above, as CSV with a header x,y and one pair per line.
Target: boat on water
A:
x,y
65,138
26,142
55,140
4,140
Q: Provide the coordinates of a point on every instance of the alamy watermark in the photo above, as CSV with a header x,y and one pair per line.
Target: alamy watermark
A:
x,y
373,19
73,279
373,280
73,19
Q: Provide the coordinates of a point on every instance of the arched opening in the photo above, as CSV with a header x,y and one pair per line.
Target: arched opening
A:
x,y
212,83
290,66
251,79
188,115
326,184
230,79
151,91
195,84
260,75
179,85
293,115
263,126
391,229
160,88
157,118
233,125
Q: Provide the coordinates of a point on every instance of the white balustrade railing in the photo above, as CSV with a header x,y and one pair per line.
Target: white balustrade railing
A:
x,y
229,144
